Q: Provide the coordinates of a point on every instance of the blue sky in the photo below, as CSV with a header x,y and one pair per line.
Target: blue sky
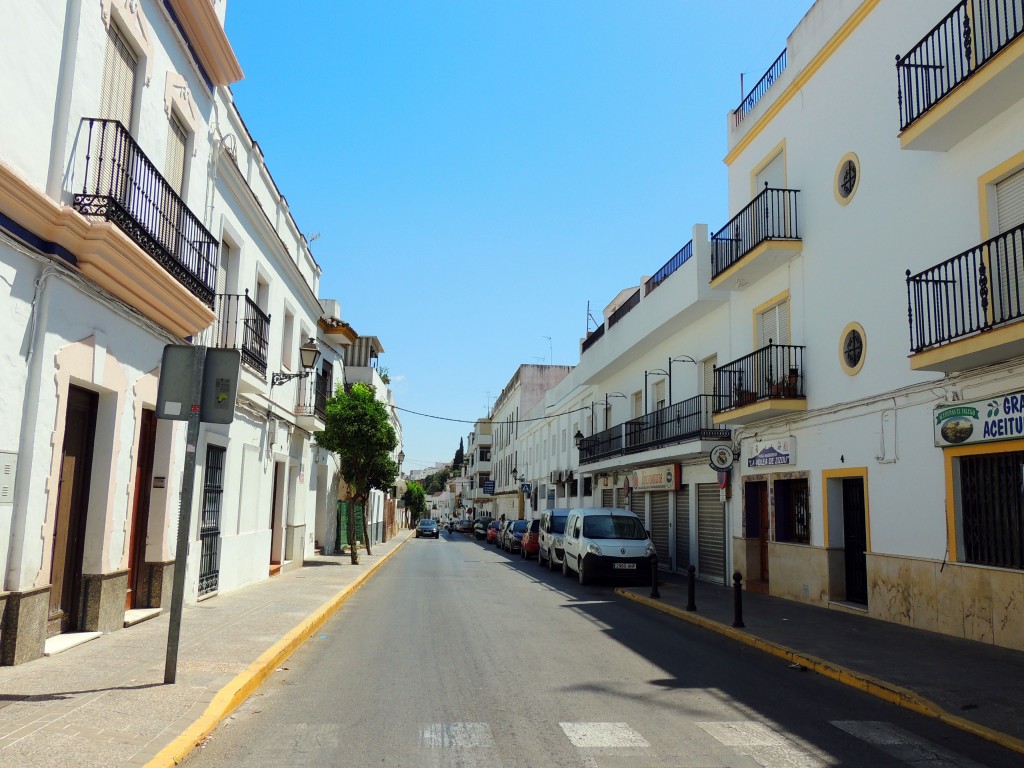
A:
x,y
479,171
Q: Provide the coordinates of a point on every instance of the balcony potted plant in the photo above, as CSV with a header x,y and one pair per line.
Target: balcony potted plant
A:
x,y
743,396
786,386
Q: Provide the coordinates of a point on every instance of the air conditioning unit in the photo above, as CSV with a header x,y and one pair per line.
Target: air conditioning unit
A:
x,y
553,477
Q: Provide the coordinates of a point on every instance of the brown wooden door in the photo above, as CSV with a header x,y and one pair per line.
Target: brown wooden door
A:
x,y
72,503
140,508
765,528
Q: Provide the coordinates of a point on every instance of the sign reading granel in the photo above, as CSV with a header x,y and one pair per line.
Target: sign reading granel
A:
x,y
663,478
773,453
983,421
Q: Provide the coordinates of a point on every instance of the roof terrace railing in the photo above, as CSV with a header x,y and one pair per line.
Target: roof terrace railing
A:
x,y
754,95
682,256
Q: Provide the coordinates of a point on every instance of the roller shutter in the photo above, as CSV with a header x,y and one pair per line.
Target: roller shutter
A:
x,y
1007,256
118,89
710,533
638,505
660,528
607,497
682,529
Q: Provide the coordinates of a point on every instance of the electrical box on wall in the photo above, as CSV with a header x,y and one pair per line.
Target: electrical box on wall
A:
x,y
8,470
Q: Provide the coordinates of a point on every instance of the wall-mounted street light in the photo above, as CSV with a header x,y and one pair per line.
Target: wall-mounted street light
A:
x,y
679,359
606,406
309,353
578,437
661,372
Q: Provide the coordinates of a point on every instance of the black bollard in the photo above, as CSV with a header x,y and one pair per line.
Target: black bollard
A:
x,y
737,594
654,578
691,604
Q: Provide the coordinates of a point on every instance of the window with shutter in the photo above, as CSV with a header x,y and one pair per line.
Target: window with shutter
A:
x,y
177,139
119,66
709,374
1007,257
1010,202
773,325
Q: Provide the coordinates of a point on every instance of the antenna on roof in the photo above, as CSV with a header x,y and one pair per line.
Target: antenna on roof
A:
x,y
590,319
314,237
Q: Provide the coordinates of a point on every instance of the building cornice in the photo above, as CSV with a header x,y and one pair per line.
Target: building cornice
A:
x,y
204,31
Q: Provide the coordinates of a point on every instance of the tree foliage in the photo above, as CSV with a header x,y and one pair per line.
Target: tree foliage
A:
x,y
415,500
460,456
358,430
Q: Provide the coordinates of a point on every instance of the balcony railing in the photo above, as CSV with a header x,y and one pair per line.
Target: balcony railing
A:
x,y
681,257
592,338
959,45
772,215
600,445
626,307
759,90
314,392
689,420
242,325
772,372
124,187
974,291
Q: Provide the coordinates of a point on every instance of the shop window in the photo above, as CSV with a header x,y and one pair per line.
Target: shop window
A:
x,y
991,509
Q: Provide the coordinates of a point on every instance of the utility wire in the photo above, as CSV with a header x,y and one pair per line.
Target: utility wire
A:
x,y
474,421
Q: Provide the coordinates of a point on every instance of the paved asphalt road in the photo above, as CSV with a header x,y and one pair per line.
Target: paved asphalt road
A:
x,y
456,654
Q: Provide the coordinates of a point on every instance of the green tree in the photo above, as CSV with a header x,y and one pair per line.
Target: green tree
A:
x,y
415,500
460,455
358,430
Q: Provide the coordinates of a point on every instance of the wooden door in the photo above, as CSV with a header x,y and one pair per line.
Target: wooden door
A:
x,y
855,541
72,503
140,509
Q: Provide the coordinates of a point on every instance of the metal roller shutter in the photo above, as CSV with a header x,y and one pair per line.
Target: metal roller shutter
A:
x,y
638,505
1010,202
607,497
710,533
1006,257
660,528
683,529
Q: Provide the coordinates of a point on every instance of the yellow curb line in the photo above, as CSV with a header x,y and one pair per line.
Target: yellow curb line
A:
x,y
901,697
242,686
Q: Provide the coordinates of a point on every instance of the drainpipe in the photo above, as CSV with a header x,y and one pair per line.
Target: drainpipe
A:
x,y
29,413
62,111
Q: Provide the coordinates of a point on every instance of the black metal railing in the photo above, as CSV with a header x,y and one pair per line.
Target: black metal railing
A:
x,y
754,95
772,215
123,186
958,46
772,372
625,308
689,420
682,256
600,445
242,325
592,338
313,394
971,292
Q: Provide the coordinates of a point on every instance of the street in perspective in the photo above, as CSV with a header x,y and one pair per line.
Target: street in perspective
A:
x,y
498,384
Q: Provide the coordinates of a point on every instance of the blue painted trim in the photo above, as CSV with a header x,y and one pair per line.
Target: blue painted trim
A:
x,y
33,240
188,43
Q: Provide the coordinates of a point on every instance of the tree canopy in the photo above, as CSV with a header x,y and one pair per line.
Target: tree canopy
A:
x,y
415,500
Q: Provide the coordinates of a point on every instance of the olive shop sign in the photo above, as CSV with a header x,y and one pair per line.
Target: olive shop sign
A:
x,y
998,418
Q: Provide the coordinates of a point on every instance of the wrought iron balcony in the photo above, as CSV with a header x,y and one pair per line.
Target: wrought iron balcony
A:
x,y
978,290
772,215
677,423
242,325
774,372
759,90
625,308
592,338
313,394
124,187
958,47
682,256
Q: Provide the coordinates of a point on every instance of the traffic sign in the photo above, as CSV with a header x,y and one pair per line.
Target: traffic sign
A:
x,y
526,488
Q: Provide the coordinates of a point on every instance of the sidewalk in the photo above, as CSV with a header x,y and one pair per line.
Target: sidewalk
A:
x,y
973,686
104,703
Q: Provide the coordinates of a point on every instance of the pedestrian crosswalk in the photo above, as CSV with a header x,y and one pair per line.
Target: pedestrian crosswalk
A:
x,y
708,744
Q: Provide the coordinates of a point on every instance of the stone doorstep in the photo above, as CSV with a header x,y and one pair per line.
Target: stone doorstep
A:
x,y
134,616
60,643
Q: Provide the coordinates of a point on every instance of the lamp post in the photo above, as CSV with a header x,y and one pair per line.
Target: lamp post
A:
x,y
606,396
515,479
309,353
663,373
578,439
679,359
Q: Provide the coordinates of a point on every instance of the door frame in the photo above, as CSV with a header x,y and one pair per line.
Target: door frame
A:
x,y
832,519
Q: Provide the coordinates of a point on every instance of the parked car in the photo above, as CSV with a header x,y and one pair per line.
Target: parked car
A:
x,y
502,533
493,529
552,528
607,542
480,527
464,525
514,535
530,544
428,528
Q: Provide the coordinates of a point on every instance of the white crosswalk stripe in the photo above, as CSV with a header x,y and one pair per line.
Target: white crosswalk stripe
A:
x,y
603,735
903,745
457,736
763,745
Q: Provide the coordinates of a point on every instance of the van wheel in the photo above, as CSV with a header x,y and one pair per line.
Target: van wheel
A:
x,y
581,574
565,567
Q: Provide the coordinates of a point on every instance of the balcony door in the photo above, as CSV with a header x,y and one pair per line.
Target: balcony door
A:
x,y
773,328
117,101
1006,259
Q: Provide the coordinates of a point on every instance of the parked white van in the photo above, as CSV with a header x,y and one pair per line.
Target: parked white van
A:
x,y
604,541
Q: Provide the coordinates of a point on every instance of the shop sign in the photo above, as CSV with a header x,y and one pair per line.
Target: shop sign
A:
x,y
983,421
662,478
773,453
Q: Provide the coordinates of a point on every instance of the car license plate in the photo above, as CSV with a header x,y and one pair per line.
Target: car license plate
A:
x,y
625,566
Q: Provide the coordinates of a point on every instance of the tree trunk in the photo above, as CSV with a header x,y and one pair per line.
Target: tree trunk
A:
x,y
366,529
352,543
